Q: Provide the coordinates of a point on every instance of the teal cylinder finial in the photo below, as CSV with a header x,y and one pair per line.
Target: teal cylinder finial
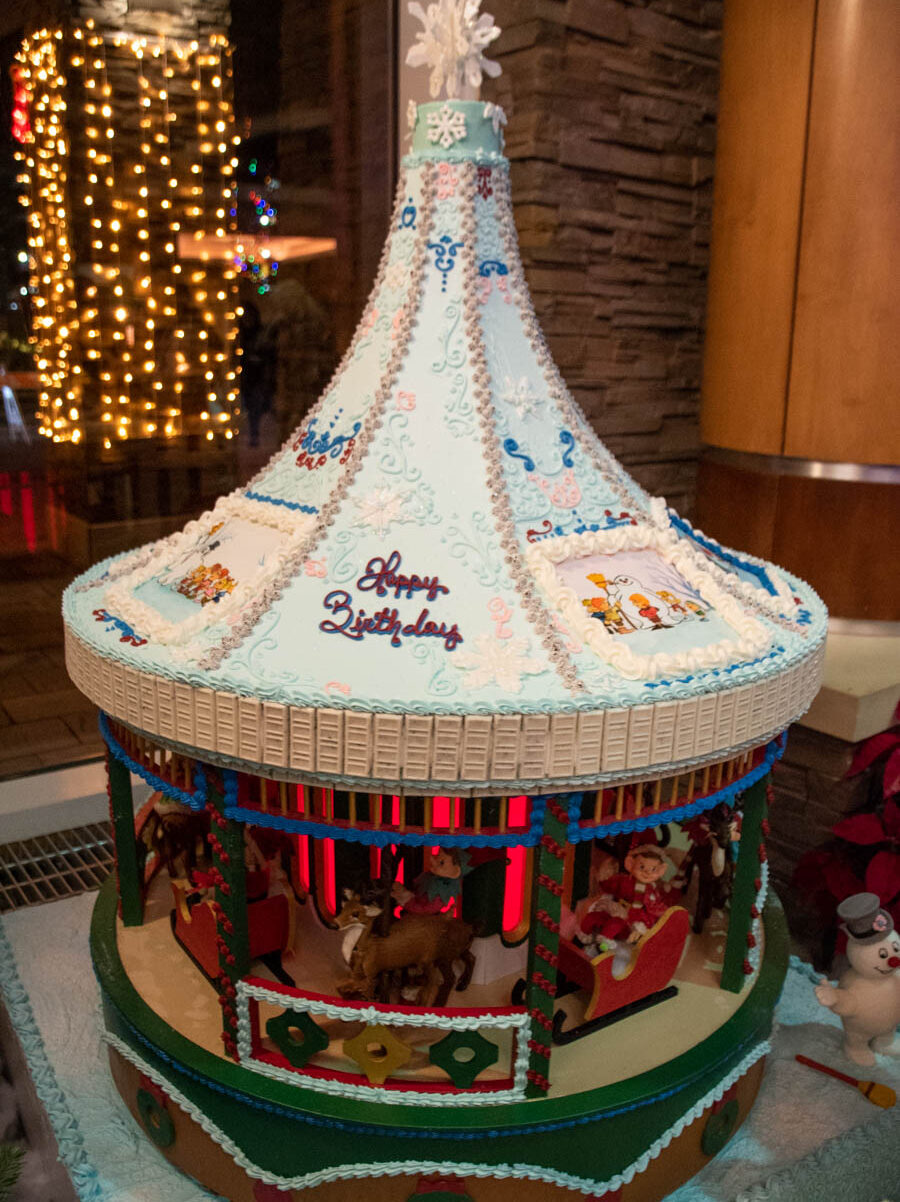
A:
x,y
458,129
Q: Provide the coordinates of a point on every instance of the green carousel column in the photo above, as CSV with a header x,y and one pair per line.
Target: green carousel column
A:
x,y
543,944
747,883
226,843
128,871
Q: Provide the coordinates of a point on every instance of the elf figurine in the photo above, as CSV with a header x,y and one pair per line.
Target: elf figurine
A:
x,y
441,883
632,901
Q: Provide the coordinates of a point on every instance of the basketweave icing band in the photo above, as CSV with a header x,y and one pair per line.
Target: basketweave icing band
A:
x,y
586,746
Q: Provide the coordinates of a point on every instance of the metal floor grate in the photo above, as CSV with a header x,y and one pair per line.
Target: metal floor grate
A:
x,y
50,867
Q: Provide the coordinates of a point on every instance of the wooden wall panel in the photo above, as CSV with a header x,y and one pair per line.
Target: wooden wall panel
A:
x,y
830,532
766,57
843,401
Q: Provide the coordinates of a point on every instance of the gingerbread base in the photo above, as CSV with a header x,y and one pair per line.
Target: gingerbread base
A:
x,y
199,1156
253,1139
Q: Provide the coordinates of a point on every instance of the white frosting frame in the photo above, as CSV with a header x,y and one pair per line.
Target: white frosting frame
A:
x,y
148,622
518,1022
755,593
752,637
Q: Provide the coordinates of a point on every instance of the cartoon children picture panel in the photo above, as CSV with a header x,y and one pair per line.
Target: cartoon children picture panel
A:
x,y
639,596
210,568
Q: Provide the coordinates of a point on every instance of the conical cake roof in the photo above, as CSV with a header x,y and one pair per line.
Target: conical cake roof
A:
x,y
444,578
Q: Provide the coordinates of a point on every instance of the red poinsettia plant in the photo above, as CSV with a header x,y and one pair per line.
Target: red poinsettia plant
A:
x,y
864,856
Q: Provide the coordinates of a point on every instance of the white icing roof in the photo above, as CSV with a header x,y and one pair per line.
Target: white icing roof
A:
x,y
446,547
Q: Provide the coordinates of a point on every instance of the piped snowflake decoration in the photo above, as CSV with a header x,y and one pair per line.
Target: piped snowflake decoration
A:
x,y
496,115
451,44
381,508
519,396
446,126
500,663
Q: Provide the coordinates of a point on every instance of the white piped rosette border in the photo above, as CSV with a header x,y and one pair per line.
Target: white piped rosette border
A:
x,y
519,1023
752,637
397,1168
754,955
119,599
661,515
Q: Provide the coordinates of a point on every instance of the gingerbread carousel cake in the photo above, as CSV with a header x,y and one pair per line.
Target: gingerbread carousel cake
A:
x,y
453,878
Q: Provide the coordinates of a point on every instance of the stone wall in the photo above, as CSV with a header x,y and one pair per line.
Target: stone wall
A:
x,y
811,795
612,108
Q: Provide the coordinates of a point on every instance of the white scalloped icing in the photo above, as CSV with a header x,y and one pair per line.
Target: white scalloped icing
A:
x,y
520,1170
119,598
660,516
752,637
519,1023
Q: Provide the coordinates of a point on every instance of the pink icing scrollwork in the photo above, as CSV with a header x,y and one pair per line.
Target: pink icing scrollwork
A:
x,y
446,181
563,493
500,615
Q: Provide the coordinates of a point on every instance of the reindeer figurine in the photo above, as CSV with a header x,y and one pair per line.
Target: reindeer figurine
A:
x,y
172,831
711,835
421,946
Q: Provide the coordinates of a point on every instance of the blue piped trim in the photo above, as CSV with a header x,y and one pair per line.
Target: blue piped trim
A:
x,y
738,667
259,496
755,569
576,833
230,778
64,1123
196,800
734,1054
384,838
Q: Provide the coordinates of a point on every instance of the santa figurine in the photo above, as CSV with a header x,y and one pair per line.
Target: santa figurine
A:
x,y
631,901
867,997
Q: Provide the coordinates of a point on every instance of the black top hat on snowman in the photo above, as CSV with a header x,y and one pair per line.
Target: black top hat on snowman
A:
x,y
864,919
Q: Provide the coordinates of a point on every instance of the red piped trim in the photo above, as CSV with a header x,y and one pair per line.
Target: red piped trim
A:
x,y
545,920
292,991
541,981
547,955
555,849
558,812
541,1019
548,883
730,1092
151,1087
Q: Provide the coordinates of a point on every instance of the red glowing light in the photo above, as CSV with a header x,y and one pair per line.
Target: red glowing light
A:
x,y
514,891
20,124
303,861
330,882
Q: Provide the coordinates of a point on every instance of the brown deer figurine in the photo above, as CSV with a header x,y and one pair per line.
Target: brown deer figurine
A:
x,y
172,831
420,946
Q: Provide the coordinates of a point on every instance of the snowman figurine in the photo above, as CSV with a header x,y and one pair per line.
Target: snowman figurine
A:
x,y
867,998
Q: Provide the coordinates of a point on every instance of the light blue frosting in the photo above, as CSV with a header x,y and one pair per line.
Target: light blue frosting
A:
x,y
481,139
424,489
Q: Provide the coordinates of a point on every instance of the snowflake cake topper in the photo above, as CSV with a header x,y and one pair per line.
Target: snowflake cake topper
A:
x,y
451,44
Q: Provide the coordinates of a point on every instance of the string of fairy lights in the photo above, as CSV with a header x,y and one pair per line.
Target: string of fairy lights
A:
x,y
130,146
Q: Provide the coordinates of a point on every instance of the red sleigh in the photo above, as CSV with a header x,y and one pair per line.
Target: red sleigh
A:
x,y
644,983
270,927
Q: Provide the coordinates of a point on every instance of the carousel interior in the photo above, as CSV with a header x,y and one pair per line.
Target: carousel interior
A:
x,y
362,951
